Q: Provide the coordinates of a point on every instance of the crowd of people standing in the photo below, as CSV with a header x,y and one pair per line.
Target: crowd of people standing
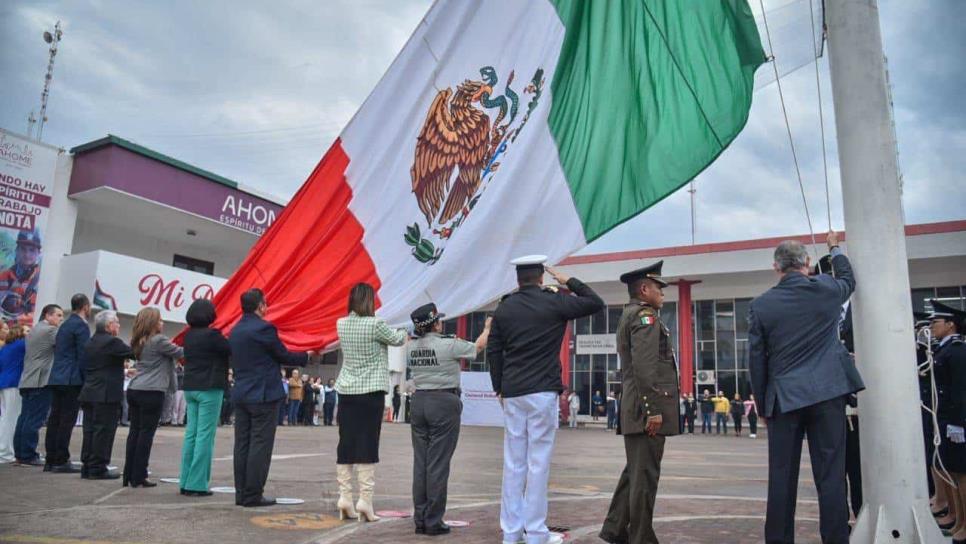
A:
x,y
719,409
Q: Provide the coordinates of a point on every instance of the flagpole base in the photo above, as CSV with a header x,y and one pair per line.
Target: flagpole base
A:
x,y
878,525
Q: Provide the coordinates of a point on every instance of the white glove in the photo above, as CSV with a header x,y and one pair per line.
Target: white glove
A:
x,y
955,434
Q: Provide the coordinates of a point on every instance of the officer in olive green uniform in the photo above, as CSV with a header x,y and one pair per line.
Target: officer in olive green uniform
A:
x,y
649,408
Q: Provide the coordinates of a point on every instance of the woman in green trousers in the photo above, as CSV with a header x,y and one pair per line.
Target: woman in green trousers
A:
x,y
206,355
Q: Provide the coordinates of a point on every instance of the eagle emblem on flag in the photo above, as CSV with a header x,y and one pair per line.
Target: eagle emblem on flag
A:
x,y
457,152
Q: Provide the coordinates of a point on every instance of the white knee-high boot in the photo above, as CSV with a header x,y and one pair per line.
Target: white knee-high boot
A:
x,y
367,482
344,476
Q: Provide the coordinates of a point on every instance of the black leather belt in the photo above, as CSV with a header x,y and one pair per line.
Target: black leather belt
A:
x,y
454,390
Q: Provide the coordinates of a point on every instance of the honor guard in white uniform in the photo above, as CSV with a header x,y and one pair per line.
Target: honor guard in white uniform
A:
x,y
524,357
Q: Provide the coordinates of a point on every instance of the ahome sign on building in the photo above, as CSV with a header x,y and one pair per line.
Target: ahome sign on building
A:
x,y
125,225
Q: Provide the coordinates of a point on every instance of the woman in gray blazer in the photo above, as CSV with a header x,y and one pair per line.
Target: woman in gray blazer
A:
x,y
156,356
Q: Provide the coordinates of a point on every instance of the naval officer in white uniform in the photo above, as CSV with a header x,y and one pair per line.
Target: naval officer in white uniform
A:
x,y
524,357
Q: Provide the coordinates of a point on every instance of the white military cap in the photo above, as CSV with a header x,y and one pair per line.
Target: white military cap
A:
x,y
529,261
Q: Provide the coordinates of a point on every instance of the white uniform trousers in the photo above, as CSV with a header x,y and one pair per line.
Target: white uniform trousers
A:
x,y
530,427
10,411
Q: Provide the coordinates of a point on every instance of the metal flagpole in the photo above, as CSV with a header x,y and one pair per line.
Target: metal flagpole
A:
x,y
896,502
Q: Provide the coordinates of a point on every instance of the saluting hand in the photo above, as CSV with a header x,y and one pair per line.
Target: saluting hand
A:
x,y
559,277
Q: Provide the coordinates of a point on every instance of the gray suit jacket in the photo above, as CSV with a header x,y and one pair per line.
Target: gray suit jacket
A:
x,y
39,357
155,367
796,357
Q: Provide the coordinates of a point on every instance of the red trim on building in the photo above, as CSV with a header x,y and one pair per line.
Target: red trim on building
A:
x,y
565,356
743,245
685,336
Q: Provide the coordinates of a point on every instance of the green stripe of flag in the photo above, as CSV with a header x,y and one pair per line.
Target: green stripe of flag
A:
x,y
646,94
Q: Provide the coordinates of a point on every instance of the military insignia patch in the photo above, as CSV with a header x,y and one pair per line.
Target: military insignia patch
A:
x,y
647,320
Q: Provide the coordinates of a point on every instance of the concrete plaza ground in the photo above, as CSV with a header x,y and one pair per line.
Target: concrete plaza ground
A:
x,y
712,490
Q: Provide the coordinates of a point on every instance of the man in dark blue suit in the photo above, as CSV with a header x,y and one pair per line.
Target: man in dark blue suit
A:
x,y
801,374
257,358
65,382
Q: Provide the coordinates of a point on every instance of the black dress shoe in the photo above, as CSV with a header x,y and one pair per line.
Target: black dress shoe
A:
x,y
441,529
106,475
66,468
48,467
420,529
145,483
262,501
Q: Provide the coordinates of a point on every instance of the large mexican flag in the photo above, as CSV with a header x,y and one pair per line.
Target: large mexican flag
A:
x,y
503,128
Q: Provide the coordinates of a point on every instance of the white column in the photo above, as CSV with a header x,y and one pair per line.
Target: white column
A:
x,y
58,237
896,508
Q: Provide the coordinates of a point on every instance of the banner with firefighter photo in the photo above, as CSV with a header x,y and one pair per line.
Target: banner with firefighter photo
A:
x,y
26,187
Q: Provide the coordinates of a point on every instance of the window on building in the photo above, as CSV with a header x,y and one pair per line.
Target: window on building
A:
x,y
612,362
950,296
724,320
613,318
195,265
580,383
705,353
450,326
598,322
582,325
921,297
704,319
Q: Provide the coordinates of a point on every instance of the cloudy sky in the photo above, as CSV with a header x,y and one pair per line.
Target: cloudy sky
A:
x,y
257,91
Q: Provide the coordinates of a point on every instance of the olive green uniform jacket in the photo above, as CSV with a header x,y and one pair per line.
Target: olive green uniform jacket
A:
x,y
650,374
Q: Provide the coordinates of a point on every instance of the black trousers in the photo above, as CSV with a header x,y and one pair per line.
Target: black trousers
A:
x,y
226,410
255,426
853,464
435,432
100,426
928,435
630,517
328,410
144,411
824,425
737,419
60,422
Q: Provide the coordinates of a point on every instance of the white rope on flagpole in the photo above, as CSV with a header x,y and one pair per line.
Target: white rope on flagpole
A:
x,y
821,113
788,127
